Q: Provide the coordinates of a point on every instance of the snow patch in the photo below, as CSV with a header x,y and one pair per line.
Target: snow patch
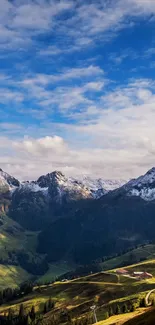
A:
x,y
143,186
147,194
33,187
100,187
148,178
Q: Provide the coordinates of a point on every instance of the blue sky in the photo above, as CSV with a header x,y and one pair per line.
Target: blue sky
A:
x,y
77,87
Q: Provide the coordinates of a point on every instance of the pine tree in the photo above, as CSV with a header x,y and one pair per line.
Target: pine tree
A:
x,y
106,315
28,320
32,314
84,321
132,308
1,297
110,311
45,308
125,309
50,304
142,303
21,312
10,316
118,311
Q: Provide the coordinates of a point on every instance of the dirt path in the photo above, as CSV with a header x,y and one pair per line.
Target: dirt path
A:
x,y
147,297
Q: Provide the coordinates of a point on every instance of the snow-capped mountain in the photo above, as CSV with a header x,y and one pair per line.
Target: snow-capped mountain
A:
x,y
58,185
143,186
34,203
7,182
99,186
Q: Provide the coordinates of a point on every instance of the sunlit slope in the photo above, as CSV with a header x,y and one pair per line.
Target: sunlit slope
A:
x,y
105,290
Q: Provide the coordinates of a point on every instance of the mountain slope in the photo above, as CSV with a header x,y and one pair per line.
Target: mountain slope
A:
x,y
115,222
73,299
7,182
143,186
75,227
147,318
100,187
36,203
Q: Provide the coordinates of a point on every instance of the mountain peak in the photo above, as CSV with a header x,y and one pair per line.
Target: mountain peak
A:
x,y
7,180
57,174
143,186
45,180
151,171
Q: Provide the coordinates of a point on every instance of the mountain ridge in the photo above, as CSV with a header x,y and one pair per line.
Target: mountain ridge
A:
x,y
74,225
94,188
142,186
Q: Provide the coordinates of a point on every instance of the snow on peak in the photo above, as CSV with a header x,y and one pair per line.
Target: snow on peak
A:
x,y
147,194
46,180
58,185
143,186
148,178
32,187
99,186
8,182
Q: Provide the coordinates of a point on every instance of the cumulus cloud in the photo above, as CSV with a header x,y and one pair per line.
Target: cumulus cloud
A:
x,y
116,142
42,146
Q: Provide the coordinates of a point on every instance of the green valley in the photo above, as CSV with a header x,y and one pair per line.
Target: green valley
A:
x,y
112,294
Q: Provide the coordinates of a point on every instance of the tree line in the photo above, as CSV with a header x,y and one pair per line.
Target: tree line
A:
x,y
10,294
26,318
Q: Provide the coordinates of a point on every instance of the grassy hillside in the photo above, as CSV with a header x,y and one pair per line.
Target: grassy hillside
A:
x,y
14,238
12,276
123,318
147,318
105,290
55,270
145,252
13,241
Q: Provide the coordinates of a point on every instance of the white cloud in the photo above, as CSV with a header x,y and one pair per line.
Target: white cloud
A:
x,y
47,92
52,50
70,97
114,131
41,146
143,6
8,96
21,22
78,45
74,73
117,142
150,52
123,55
96,86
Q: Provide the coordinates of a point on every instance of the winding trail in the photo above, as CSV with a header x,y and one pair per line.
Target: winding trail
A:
x,y
147,298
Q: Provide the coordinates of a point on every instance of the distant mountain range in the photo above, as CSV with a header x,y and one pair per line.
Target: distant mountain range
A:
x,y
81,219
85,187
